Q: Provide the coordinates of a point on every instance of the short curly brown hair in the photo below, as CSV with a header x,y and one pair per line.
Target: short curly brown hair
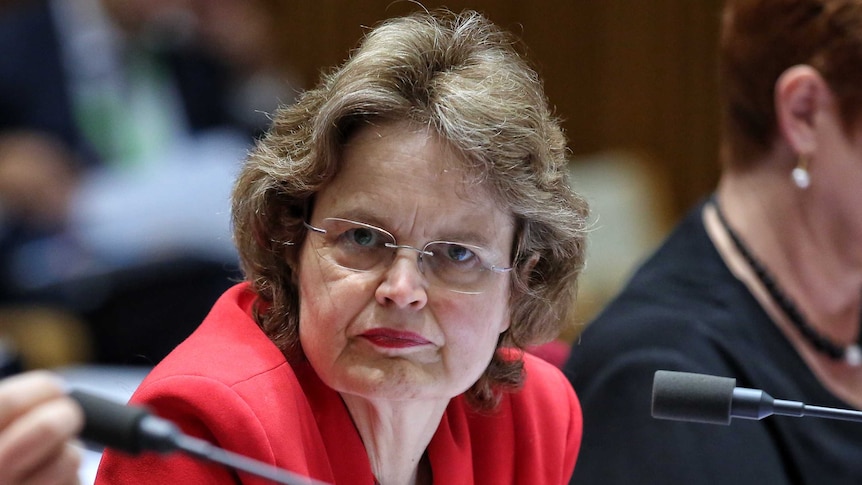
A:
x,y
462,77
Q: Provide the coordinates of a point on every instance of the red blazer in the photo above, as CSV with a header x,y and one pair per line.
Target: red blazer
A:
x,y
228,384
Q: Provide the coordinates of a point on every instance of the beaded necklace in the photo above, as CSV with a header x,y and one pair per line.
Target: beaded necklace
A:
x,y
851,354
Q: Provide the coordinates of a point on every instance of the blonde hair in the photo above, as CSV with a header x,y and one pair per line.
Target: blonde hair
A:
x,y
459,75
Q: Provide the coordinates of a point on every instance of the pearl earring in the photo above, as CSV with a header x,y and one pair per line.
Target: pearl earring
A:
x,y
800,174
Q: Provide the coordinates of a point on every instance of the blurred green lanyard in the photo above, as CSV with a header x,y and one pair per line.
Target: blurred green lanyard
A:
x,y
131,114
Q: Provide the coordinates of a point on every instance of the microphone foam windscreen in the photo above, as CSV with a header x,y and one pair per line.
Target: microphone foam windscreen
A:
x,y
109,423
683,396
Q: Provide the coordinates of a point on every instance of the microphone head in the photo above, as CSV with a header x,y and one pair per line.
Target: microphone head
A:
x,y
683,396
110,424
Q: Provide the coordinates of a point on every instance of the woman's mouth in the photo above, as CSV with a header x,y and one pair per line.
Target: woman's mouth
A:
x,y
394,339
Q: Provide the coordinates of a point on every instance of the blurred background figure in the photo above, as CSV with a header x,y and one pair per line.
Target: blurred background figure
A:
x,y
250,35
761,282
122,123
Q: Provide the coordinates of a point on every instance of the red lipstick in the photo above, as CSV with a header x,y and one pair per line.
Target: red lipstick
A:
x,y
394,339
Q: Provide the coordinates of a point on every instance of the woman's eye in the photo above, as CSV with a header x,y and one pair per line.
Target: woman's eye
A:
x,y
459,254
362,236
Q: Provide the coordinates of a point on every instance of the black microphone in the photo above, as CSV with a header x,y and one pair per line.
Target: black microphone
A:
x,y
683,396
134,429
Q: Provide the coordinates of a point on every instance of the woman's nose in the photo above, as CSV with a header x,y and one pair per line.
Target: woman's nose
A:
x,y
403,284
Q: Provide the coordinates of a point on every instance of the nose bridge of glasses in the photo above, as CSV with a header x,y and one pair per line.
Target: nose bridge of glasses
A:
x,y
421,252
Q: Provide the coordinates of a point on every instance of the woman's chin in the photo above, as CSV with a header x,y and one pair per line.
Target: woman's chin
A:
x,y
395,381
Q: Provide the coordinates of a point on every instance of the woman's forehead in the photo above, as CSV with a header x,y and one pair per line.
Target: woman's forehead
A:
x,y
395,172
411,154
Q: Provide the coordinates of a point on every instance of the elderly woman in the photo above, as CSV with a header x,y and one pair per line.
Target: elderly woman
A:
x,y
406,230
763,282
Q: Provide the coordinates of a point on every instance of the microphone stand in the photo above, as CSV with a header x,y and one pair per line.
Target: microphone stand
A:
x,y
756,404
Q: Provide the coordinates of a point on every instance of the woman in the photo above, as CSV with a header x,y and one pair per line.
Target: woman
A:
x,y
406,229
37,426
763,282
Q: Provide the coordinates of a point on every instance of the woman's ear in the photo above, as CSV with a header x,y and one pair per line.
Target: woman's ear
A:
x,y
801,98
527,268
523,276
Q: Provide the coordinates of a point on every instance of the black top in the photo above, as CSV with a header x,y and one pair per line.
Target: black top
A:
x,y
683,310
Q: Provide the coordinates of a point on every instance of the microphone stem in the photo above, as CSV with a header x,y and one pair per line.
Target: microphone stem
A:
x,y
821,412
202,449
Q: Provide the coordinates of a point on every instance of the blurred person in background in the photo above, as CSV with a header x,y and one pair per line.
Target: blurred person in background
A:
x,y
121,128
250,36
762,282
